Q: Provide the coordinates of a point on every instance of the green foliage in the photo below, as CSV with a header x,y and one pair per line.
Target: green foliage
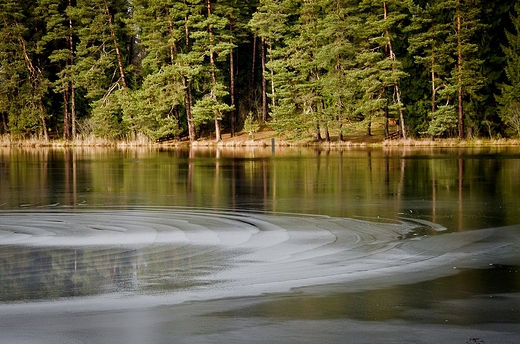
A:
x,y
512,117
107,116
151,109
443,123
251,125
443,41
509,99
162,67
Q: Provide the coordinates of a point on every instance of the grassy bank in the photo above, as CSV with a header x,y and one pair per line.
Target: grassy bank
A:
x,y
80,141
263,138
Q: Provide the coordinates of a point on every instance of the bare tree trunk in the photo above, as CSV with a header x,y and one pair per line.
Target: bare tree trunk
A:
x,y
35,73
188,101
252,78
273,99
434,89
42,118
264,83
72,117
327,133
173,52
66,115
459,69
232,80
397,90
173,46
73,111
116,46
317,132
387,133
218,136
4,123
340,135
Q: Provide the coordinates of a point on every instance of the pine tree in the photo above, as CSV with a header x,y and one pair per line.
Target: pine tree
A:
x,y
495,14
12,69
449,51
24,81
466,76
379,70
58,45
100,67
272,22
212,40
153,108
302,87
238,13
336,58
509,98
430,48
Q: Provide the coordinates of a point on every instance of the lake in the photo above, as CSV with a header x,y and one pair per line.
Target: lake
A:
x,y
260,244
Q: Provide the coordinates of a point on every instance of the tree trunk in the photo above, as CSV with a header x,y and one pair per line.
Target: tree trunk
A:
x,y
218,136
173,52
264,83
397,90
387,132
72,118
44,125
459,77
35,73
340,131
66,115
73,111
273,100
327,133
173,46
434,89
4,123
252,78
116,46
188,101
317,132
232,81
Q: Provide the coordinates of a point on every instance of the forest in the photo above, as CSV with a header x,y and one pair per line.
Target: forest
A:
x,y
316,69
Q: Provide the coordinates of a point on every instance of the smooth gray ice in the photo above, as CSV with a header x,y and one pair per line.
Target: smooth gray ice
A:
x,y
215,255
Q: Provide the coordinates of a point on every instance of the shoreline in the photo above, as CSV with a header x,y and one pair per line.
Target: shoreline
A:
x,y
264,139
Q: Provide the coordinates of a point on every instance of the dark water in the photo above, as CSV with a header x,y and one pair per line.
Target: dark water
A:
x,y
356,246
461,189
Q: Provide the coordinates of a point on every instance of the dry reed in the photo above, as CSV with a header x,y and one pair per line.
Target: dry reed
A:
x,y
79,141
7,140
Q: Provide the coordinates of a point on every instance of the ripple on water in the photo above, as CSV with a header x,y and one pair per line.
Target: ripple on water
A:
x,y
205,254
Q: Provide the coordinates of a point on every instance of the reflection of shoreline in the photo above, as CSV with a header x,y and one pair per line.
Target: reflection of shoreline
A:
x,y
467,192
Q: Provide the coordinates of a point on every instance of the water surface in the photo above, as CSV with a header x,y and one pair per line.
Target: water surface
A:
x,y
283,245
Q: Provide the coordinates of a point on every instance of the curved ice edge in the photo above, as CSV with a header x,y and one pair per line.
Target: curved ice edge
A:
x,y
405,262
434,226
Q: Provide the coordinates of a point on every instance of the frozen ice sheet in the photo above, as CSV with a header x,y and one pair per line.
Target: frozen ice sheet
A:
x,y
150,267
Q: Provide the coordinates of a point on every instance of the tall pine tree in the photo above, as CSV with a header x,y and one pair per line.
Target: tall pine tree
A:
x,y
58,46
101,62
379,69
509,99
22,69
430,48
